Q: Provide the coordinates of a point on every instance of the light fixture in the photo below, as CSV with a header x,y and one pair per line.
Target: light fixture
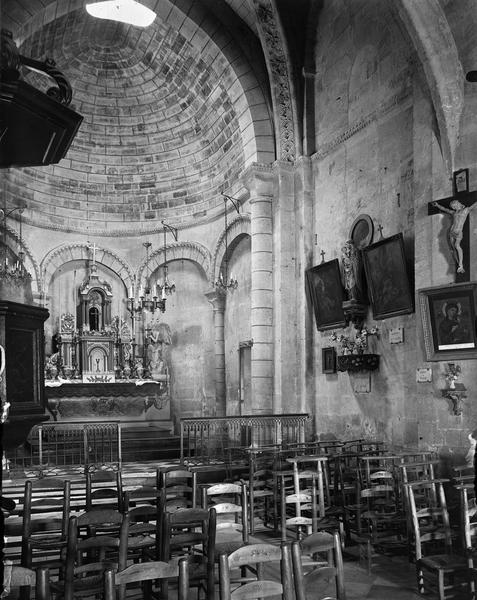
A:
x,y
165,287
124,11
146,301
16,270
224,283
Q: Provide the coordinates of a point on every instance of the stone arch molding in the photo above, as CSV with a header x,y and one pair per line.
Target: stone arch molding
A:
x,y
431,35
30,262
191,251
81,251
239,227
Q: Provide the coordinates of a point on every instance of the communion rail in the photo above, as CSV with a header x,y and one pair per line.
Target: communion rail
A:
x,y
216,439
52,446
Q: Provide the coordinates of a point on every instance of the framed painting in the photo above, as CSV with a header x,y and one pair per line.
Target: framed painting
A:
x,y
448,321
326,293
328,360
387,278
362,231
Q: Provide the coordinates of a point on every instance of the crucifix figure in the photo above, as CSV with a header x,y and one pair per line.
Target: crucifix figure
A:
x,y
458,207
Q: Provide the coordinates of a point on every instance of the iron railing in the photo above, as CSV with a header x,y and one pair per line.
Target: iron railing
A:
x,y
53,446
214,439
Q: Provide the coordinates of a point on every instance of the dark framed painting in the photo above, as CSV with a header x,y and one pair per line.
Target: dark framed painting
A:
x,y
461,181
387,278
328,360
448,321
326,293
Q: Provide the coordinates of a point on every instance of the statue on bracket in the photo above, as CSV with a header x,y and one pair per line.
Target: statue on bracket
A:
x,y
158,338
355,308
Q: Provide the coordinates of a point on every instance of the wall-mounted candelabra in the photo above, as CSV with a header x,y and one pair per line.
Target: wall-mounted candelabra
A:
x,y
224,282
14,269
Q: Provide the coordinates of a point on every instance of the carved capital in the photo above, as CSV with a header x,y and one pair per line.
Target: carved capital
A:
x,y
217,299
259,180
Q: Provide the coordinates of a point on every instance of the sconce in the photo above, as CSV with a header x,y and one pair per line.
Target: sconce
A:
x,y
456,392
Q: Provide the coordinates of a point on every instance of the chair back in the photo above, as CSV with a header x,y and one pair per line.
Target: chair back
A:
x,y
87,558
254,556
430,518
23,578
104,488
178,487
230,503
115,583
46,510
322,567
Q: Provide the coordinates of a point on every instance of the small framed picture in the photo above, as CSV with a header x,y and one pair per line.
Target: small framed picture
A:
x,y
328,360
449,321
461,181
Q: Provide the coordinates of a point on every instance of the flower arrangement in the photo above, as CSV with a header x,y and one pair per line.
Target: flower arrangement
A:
x,y
360,343
452,374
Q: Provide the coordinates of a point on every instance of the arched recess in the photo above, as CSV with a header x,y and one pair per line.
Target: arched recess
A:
x,y
431,35
239,227
176,251
29,261
202,28
81,251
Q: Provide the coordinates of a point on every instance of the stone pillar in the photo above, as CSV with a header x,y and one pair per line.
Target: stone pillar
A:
x,y
217,299
305,320
259,181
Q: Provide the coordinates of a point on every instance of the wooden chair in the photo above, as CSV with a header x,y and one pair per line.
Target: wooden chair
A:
x,y
191,532
46,510
87,558
104,488
115,583
468,520
178,488
256,556
230,503
438,568
23,579
144,534
261,493
324,569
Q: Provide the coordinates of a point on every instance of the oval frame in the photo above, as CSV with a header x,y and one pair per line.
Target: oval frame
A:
x,y
362,220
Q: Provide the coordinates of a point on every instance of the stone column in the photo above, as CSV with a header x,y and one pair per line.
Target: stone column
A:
x,y
259,181
217,299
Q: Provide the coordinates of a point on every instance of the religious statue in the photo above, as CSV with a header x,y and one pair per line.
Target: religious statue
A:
x,y
352,272
459,214
158,336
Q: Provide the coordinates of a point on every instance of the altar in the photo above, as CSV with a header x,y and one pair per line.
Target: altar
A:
x,y
104,368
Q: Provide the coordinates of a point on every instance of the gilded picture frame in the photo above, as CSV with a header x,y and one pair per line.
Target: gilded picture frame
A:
x,y
326,293
448,315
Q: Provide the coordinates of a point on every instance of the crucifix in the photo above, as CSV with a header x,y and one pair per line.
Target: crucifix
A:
x,y
93,247
458,208
322,256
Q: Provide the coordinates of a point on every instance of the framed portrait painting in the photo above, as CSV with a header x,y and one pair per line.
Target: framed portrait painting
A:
x,y
326,293
448,321
387,278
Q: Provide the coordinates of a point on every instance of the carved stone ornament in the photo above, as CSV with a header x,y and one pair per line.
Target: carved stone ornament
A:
x,y
280,78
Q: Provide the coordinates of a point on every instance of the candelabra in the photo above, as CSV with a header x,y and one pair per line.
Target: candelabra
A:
x,y
14,270
166,287
225,283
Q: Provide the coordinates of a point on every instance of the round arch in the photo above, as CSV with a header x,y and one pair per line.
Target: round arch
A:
x,y
81,251
191,251
238,228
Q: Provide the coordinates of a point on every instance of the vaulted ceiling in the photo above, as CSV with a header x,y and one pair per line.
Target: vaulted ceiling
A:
x,y
172,114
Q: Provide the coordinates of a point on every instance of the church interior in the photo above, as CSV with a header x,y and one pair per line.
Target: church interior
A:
x,y
243,229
